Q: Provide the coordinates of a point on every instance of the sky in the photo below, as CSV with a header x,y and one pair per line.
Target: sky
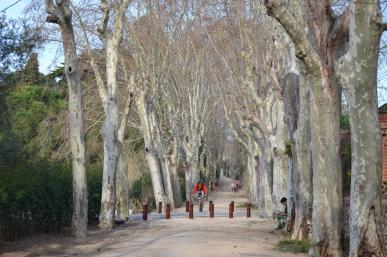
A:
x,y
48,58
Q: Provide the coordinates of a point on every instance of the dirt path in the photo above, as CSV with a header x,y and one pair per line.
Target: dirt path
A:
x,y
178,237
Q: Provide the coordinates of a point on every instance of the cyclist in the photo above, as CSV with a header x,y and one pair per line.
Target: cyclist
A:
x,y
200,188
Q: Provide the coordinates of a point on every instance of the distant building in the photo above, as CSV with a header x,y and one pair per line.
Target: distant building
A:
x,y
383,130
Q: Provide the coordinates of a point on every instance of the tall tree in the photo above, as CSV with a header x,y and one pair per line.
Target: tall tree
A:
x,y
358,74
61,14
311,26
112,40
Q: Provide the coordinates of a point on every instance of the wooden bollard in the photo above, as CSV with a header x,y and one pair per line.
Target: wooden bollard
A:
x,y
186,206
212,210
232,203
230,212
160,207
168,211
144,212
190,215
248,210
209,206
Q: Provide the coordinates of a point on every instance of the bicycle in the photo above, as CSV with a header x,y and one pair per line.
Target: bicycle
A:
x,y
200,198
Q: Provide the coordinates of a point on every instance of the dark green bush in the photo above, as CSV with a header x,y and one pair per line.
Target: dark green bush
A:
x,y
37,197
294,246
344,122
182,189
288,149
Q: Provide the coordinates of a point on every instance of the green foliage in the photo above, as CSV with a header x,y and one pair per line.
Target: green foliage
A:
x,y
293,246
94,183
344,122
142,191
27,106
30,73
37,197
345,156
182,188
17,41
288,149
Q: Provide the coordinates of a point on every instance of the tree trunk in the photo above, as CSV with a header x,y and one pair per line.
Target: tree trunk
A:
x,y
174,165
327,179
265,194
280,160
122,188
297,116
191,176
77,145
312,36
252,180
150,154
167,179
253,173
360,88
110,133
159,147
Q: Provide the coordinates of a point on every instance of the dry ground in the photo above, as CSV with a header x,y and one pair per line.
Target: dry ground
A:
x,y
178,237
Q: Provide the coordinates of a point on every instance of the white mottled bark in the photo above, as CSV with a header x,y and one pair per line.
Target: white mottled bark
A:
x,y
174,159
150,152
327,180
111,148
280,160
111,125
359,79
165,171
253,173
174,165
61,13
297,118
314,49
122,188
191,175
301,153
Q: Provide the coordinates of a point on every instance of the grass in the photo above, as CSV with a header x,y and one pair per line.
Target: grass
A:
x,y
293,246
241,205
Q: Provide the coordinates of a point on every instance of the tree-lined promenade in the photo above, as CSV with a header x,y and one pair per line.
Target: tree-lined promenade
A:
x,y
155,95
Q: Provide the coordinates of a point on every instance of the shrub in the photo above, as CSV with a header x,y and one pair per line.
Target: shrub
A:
x,y
288,149
344,122
142,191
36,197
294,246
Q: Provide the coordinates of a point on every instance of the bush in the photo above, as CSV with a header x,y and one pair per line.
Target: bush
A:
x,y
36,197
288,149
344,122
142,191
294,246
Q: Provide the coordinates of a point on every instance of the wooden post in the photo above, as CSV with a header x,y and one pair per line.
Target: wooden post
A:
x,y
168,211
145,212
248,210
190,215
230,212
209,206
232,203
186,206
212,210
160,207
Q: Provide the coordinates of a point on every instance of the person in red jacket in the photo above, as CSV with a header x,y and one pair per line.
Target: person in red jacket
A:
x,y
200,188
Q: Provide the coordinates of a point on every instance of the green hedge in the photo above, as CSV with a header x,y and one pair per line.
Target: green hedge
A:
x,y
37,197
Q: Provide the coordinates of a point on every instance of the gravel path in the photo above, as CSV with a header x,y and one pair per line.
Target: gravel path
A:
x,y
157,237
